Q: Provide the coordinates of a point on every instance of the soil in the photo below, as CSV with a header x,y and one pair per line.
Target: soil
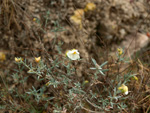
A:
x,y
32,28
111,22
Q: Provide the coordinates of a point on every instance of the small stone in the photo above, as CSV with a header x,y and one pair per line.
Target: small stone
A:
x,y
36,10
122,33
134,43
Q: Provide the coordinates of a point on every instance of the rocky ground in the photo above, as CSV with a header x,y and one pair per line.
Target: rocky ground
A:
x,y
30,28
113,21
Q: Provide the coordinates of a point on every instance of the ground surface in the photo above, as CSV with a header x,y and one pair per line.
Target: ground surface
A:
x,y
111,25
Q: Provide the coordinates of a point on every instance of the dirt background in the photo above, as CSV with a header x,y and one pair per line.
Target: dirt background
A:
x,y
113,24
110,23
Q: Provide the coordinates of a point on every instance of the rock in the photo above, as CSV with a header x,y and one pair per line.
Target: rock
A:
x,y
36,10
134,43
122,33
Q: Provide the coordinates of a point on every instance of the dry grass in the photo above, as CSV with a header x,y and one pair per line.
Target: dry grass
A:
x,y
13,93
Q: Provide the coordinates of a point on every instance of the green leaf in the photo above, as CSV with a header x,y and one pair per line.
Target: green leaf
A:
x,y
104,64
105,70
94,61
101,72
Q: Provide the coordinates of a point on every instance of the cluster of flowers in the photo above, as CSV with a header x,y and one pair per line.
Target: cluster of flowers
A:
x,y
75,55
123,88
19,59
79,14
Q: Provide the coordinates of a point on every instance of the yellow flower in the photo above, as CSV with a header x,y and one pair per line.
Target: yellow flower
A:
x,y
120,51
79,13
89,7
86,81
47,84
135,78
124,89
34,19
37,59
2,56
18,59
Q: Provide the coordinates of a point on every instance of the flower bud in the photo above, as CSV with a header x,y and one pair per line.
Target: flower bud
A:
x,y
37,59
